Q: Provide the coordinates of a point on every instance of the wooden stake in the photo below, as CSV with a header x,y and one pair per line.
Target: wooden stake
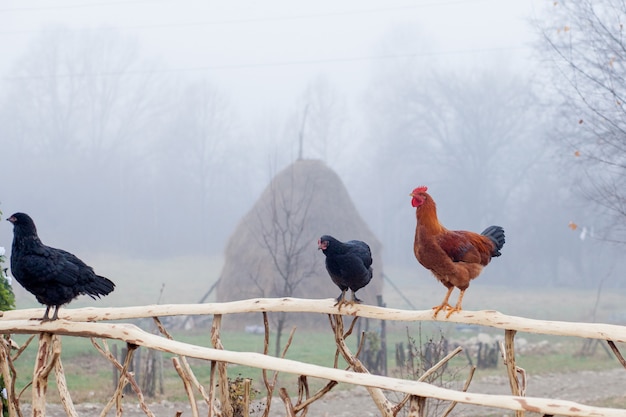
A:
x,y
288,406
617,353
512,370
188,387
247,386
383,404
64,393
227,408
8,374
417,406
46,357
110,356
116,399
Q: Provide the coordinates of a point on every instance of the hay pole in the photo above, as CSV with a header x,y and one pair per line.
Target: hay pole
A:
x,y
133,335
490,318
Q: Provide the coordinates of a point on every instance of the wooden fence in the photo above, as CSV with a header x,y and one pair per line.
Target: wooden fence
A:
x,y
95,323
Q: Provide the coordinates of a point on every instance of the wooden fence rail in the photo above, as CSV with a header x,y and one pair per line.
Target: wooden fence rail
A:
x,y
489,318
92,322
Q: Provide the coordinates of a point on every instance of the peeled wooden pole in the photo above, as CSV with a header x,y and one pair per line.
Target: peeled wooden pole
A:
x,y
59,373
47,355
222,372
134,335
489,318
384,405
9,382
511,368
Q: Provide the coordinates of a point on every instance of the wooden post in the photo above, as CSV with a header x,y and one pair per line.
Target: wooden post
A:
x,y
44,363
509,349
227,408
129,350
383,338
383,404
246,396
5,370
417,406
116,375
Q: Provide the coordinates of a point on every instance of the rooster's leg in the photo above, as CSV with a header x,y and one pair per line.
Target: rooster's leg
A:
x,y
444,303
458,304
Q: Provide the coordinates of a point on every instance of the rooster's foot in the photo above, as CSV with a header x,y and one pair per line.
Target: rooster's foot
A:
x,y
453,310
444,306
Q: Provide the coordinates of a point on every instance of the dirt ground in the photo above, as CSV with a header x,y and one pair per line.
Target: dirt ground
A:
x,y
587,387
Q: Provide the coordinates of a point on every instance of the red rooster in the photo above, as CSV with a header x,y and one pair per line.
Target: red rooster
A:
x,y
455,257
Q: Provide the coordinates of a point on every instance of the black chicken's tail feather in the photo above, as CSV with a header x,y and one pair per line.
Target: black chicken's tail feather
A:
x,y
99,286
496,234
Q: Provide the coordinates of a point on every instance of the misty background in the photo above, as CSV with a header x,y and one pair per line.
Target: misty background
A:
x,y
147,129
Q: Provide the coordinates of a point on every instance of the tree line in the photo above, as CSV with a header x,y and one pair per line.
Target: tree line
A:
x,y
118,158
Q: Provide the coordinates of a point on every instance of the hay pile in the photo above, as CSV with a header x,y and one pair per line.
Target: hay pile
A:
x,y
303,202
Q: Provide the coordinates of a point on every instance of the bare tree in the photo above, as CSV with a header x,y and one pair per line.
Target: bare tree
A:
x,y
194,141
475,131
77,114
475,138
584,41
76,95
283,233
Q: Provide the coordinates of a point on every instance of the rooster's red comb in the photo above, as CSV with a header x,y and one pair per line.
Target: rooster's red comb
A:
x,y
420,189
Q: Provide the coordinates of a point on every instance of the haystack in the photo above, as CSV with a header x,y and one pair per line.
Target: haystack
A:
x,y
303,202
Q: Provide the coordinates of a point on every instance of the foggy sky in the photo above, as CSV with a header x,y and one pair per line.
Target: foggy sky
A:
x,y
259,61
263,54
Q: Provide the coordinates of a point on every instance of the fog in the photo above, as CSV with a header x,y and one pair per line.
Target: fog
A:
x,y
148,128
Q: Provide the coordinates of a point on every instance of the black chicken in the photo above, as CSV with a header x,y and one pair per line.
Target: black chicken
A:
x,y
348,264
55,277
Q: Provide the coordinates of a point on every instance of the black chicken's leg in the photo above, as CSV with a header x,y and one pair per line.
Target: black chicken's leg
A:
x,y
355,299
341,300
45,315
55,316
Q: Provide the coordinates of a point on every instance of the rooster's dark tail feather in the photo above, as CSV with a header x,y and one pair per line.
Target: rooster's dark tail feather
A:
x,y
496,234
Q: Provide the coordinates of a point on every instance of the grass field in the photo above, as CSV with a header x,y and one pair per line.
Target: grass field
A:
x,y
184,280
90,377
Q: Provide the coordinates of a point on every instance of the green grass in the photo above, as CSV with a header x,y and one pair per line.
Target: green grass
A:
x,y
89,375
140,282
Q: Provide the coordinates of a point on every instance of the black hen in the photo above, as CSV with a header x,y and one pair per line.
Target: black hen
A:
x,y
55,277
348,264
